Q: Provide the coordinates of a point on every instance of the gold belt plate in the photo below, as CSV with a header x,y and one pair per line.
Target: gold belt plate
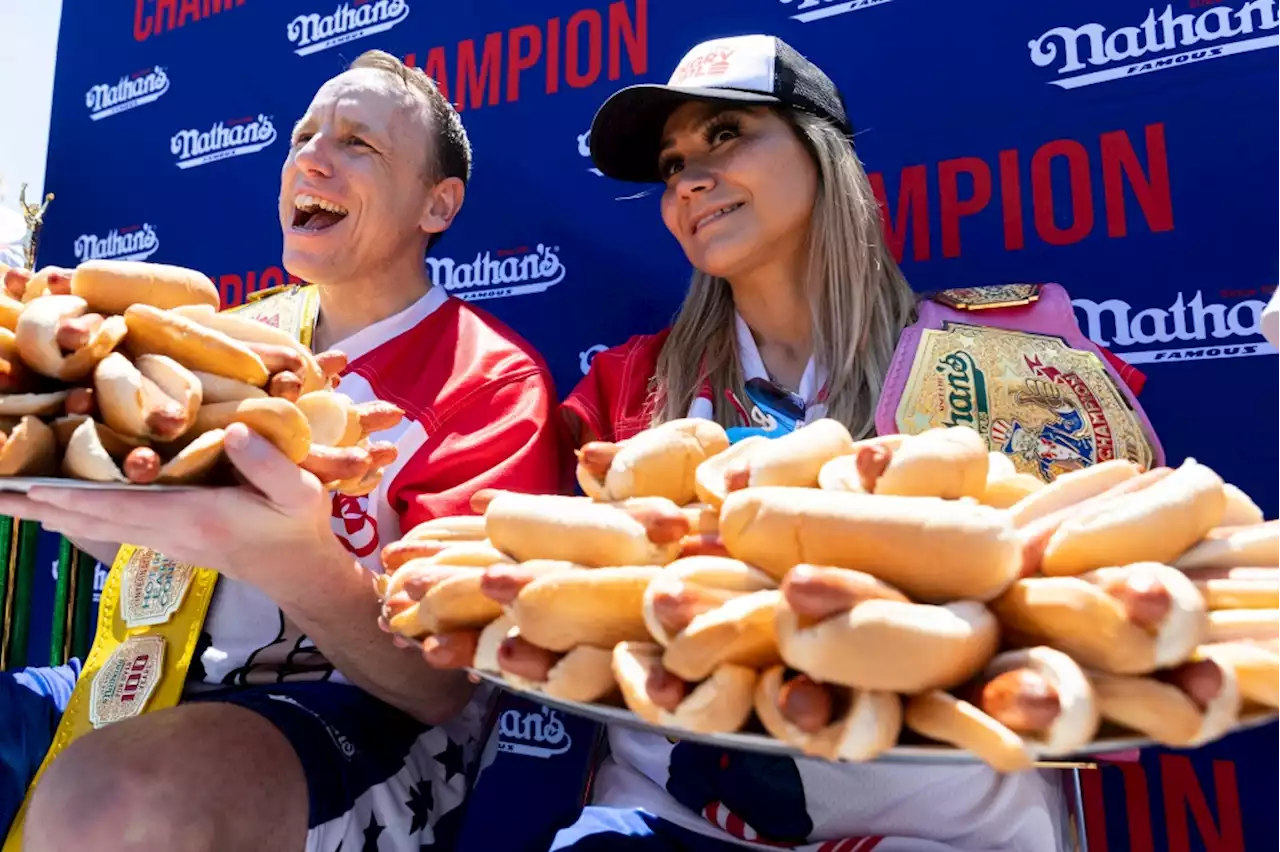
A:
x,y
1050,408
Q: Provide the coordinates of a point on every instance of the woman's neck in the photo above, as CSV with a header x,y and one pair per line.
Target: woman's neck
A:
x,y
351,307
774,304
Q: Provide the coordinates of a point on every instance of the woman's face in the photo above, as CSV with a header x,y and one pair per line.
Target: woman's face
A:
x,y
740,187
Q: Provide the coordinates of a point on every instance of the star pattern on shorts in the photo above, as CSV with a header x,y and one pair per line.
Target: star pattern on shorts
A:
x,y
371,833
451,759
421,801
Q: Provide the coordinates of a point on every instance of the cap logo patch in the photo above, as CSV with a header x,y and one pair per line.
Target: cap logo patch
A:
x,y
712,63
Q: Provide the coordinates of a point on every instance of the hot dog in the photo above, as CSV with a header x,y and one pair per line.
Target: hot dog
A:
x,y
827,721
86,457
601,607
710,479
113,286
949,463
29,449
191,344
1006,486
378,415
1072,489
285,385
154,398
333,416
39,404
707,611
50,280
1256,667
431,537
658,462
1129,620
222,389
15,376
719,704
1182,707
795,459
1241,511
1238,588
848,628
277,420
1255,545
441,593
581,674
36,337
1156,524
15,281
269,344
931,549
1026,704
335,464
639,531
1229,625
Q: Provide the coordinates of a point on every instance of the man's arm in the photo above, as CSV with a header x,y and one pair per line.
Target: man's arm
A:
x,y
505,436
103,551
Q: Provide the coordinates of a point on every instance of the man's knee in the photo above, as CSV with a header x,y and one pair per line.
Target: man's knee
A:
x,y
98,795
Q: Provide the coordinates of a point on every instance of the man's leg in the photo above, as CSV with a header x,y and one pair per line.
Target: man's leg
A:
x,y
31,703
196,777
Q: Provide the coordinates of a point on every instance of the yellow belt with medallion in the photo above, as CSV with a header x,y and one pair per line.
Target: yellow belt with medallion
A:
x,y
153,609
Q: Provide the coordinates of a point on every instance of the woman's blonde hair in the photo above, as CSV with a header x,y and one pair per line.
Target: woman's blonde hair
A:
x,y
860,302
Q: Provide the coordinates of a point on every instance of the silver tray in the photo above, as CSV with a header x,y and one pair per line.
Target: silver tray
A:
x,y
764,744
23,484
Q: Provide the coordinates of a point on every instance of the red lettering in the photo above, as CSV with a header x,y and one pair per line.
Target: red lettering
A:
x,y
519,61
553,56
1011,200
952,208
273,276
1183,792
189,8
171,6
913,205
436,69
477,80
1095,810
230,290
573,48
636,37
1151,188
1081,192
142,22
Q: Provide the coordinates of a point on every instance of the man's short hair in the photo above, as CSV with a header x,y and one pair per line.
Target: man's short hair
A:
x,y
449,150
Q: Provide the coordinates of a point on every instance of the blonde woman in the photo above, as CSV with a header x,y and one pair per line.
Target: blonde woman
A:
x,y
796,311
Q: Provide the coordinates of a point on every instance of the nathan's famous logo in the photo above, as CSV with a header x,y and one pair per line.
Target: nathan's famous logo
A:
x,y
588,355
584,150
1152,335
965,386
816,10
136,90
315,32
137,242
1091,53
539,733
225,139
493,275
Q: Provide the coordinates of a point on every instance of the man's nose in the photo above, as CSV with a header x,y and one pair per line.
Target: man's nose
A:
x,y
313,158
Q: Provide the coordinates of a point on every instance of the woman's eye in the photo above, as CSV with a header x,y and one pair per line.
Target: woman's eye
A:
x,y
669,168
724,134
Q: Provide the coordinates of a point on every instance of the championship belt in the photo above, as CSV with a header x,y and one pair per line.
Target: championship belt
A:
x,y
1010,362
153,609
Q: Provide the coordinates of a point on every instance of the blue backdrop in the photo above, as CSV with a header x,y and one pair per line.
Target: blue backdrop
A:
x,y
1125,149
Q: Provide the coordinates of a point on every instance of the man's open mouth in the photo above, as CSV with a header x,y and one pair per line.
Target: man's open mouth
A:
x,y
316,214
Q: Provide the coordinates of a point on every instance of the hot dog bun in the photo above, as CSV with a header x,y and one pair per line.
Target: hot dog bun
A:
x,y
1154,617
277,420
948,719
709,478
86,457
1238,588
1072,488
931,549
131,396
39,404
113,286
1241,511
36,336
247,330
886,645
583,674
708,581
659,462
448,529
949,463
1256,667
1182,708
1256,545
30,449
216,388
1157,524
1230,625
195,346
868,726
795,459
334,420
720,704
539,526
1006,486
600,607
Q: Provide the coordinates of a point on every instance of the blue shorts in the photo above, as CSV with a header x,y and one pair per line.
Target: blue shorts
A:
x,y
621,830
369,767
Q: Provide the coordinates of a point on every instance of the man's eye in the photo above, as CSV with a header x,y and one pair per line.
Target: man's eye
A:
x,y
301,139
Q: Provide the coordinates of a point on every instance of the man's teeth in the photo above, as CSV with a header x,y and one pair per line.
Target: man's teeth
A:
x,y
310,204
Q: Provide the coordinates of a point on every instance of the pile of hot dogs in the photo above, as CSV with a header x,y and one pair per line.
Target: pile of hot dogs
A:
x,y
124,372
845,592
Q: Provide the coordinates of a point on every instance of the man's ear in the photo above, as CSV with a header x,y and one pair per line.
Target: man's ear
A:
x,y
443,204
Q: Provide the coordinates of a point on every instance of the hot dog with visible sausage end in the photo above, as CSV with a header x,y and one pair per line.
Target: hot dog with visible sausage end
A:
x,y
154,398
931,549
709,610
1129,620
795,459
29,449
825,721
194,346
1181,707
1254,546
269,343
950,463
720,704
112,286
581,674
639,531
1155,524
709,480
1006,486
441,593
848,628
1256,667
561,610
37,333
277,420
1026,704
1238,588
86,457
658,462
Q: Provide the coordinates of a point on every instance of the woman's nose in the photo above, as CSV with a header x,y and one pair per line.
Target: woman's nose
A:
x,y
694,178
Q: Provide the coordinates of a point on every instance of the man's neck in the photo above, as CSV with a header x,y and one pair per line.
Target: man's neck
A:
x,y
352,306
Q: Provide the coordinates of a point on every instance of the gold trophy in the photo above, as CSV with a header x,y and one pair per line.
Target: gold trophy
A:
x,y
33,214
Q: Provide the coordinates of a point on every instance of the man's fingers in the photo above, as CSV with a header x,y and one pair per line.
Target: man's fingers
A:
x,y
267,469
70,523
